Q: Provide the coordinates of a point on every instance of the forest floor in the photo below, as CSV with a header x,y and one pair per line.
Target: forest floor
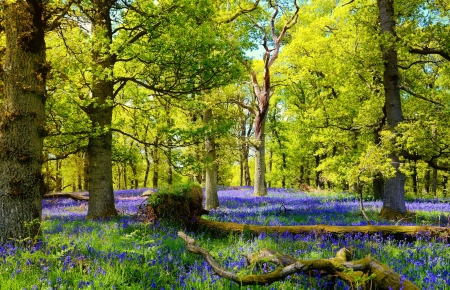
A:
x,y
124,253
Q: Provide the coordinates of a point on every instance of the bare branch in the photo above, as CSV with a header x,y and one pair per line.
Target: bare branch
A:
x,y
427,51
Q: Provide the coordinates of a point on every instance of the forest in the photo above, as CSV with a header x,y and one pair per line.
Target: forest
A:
x,y
287,113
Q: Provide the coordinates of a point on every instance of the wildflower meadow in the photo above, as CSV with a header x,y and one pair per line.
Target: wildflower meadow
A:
x,y
125,253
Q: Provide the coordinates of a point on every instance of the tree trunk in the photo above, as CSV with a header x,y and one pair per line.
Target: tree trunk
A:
x,y
260,165
125,175
241,170
58,178
427,181
22,120
247,178
414,179
394,193
378,187
135,175
147,167
283,168
341,266
169,169
396,231
211,197
444,185
434,182
101,195
269,170
319,182
86,171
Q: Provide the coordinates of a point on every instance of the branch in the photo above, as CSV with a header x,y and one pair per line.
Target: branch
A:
x,y
241,12
73,196
255,84
384,278
418,62
348,3
55,22
133,137
427,51
409,91
243,105
277,40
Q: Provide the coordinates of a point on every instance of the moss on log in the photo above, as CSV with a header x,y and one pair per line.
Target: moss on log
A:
x,y
377,274
73,196
443,232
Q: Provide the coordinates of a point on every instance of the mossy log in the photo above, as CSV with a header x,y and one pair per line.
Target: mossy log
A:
x,y
369,269
401,231
73,196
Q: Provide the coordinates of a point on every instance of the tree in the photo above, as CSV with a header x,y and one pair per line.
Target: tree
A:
x,y
264,91
149,44
211,197
22,119
394,189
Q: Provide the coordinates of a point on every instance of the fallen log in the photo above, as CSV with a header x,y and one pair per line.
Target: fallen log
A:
x,y
73,196
443,232
352,272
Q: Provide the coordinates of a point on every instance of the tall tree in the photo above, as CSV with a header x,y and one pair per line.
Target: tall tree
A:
x,y
22,119
212,199
272,39
394,189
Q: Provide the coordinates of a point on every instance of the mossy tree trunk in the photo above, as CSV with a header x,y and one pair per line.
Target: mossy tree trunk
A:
x,y
22,120
401,231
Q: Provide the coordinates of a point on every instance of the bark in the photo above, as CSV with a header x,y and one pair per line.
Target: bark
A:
x,y
378,187
22,120
414,178
211,196
397,231
338,266
260,168
394,193
101,195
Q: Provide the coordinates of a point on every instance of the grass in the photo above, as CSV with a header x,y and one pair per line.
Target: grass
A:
x,y
125,254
